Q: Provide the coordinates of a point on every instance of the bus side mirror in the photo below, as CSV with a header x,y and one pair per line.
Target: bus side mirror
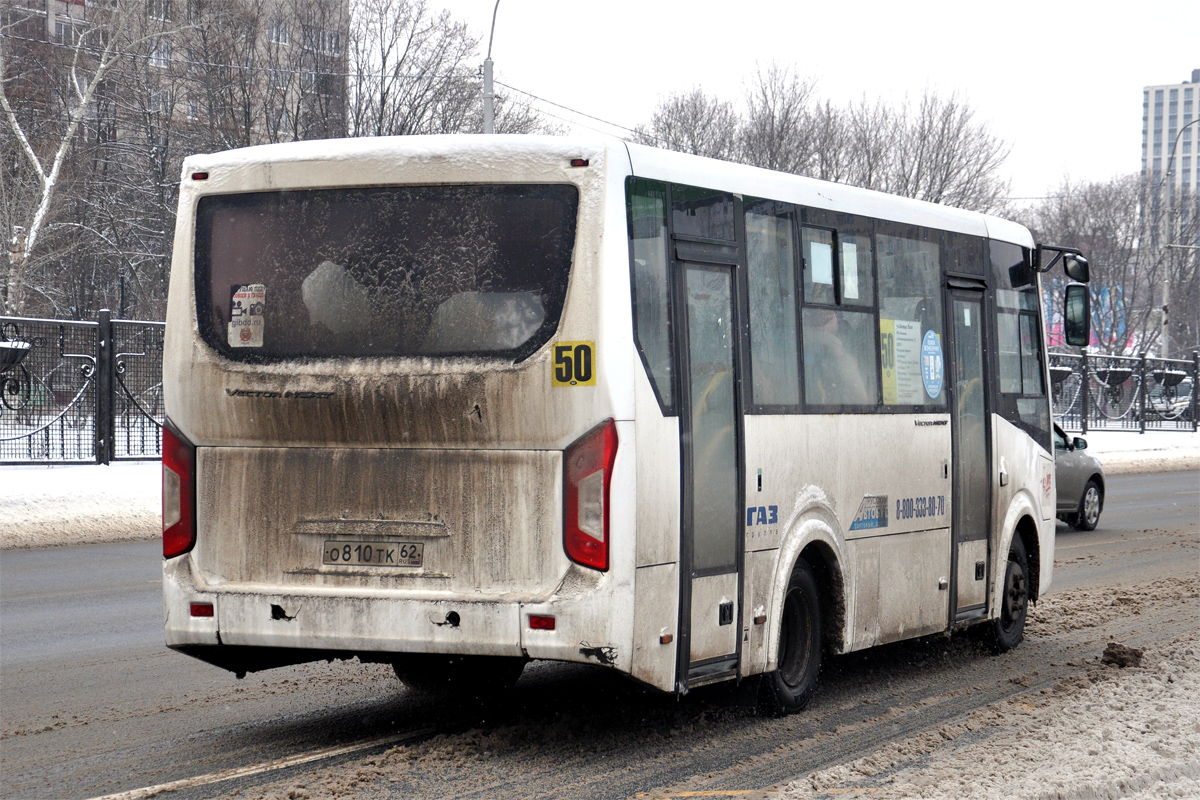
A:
x,y
1076,267
1077,315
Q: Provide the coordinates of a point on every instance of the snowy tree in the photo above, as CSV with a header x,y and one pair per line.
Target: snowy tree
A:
x,y
92,49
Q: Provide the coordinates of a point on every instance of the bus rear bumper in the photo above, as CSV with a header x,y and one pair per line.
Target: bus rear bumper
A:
x,y
254,628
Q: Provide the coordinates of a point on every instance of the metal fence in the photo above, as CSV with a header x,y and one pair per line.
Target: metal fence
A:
x,y
1131,393
80,392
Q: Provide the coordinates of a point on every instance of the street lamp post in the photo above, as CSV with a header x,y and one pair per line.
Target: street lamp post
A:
x,y
1166,331
489,109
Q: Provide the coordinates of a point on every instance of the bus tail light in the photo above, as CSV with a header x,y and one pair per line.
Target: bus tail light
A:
x,y
178,493
587,472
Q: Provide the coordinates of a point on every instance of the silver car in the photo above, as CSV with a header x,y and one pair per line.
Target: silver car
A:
x,y
1080,482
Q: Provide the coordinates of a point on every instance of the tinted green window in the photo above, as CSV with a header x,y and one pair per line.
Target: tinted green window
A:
x,y
771,256
646,206
701,212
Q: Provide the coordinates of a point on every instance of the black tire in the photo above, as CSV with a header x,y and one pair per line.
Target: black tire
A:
x,y
470,676
1090,506
1006,631
789,688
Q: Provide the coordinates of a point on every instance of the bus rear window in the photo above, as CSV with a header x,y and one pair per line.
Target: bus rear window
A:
x,y
387,271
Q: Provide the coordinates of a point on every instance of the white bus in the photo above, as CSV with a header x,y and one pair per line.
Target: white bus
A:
x,y
455,403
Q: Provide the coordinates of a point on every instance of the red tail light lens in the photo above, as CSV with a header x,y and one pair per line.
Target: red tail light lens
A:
x,y
178,494
587,472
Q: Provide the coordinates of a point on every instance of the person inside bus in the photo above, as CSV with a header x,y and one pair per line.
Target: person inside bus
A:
x,y
833,373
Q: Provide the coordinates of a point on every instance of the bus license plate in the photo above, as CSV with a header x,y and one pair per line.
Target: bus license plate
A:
x,y
373,554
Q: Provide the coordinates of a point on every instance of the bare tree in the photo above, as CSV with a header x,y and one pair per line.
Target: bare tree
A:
x,y
779,131
933,151
944,156
93,47
693,122
412,69
1115,225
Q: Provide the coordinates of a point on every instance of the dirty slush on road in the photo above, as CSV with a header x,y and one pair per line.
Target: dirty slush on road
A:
x,y
939,717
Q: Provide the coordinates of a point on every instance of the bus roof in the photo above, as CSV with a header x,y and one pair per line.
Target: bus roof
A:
x,y
388,155
652,162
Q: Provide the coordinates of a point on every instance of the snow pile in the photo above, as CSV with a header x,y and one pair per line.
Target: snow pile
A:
x,y
1130,452
43,506
1129,733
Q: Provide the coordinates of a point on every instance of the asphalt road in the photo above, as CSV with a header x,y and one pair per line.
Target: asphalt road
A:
x,y
92,703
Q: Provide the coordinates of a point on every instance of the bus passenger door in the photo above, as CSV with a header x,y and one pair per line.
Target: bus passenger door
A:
x,y
711,452
971,457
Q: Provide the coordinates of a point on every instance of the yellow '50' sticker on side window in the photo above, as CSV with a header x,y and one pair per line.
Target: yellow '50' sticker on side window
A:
x,y
575,364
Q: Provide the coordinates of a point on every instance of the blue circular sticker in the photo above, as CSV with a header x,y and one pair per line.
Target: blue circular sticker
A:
x,y
931,364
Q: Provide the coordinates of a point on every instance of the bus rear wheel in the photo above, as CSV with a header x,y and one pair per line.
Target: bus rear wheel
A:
x,y
789,688
470,676
1007,630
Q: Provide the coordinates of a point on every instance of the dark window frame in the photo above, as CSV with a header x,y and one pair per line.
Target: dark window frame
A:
x,y
671,408
793,212
1004,404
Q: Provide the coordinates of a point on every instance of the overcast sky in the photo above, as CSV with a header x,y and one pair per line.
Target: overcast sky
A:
x,y
1059,80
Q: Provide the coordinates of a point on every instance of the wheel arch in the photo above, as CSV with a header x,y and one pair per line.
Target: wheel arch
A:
x,y
812,532
1021,520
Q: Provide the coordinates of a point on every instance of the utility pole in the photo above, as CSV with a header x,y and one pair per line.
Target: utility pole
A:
x,y
489,108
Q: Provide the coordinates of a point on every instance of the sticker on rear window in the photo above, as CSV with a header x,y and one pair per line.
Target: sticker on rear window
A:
x,y
246,304
575,364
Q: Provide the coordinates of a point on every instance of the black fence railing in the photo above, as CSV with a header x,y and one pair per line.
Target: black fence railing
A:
x,y
1131,393
80,392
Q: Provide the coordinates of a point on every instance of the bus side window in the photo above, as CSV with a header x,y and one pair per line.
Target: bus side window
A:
x,y
911,341
1020,353
771,257
646,206
839,358
838,339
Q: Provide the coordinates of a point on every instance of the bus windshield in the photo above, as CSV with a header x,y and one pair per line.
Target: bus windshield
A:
x,y
386,271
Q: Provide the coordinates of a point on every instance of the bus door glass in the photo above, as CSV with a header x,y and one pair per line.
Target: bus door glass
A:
x,y
971,473
711,450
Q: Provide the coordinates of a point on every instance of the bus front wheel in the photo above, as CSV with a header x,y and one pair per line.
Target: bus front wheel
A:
x,y
1007,630
789,688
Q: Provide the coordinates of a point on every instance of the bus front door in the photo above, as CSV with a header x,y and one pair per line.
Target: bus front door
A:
x,y
711,452
972,479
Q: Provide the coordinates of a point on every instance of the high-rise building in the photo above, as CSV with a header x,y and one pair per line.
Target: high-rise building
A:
x,y
1166,112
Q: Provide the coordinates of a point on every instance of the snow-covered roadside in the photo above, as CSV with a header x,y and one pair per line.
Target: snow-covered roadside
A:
x,y
47,506
1109,732
1129,452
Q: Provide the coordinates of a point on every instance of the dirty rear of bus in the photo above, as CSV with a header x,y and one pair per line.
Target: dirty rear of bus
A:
x,y
390,431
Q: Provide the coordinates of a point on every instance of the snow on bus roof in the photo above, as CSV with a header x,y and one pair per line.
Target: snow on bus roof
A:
x,y
643,161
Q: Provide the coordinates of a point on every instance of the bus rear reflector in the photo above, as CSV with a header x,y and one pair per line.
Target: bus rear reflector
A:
x,y
202,609
178,493
587,475
539,623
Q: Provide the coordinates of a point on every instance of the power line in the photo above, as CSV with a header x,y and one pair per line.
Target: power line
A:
x,y
568,108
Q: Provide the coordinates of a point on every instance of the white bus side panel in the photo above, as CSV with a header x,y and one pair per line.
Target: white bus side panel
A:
x,y
849,473
657,584
1030,491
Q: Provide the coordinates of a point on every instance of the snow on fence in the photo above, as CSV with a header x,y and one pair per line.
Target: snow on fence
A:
x,y
79,392
1132,393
